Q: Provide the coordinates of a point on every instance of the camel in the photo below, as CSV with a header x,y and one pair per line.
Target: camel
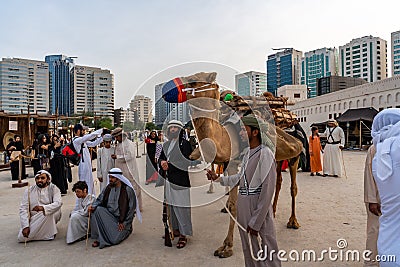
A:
x,y
218,143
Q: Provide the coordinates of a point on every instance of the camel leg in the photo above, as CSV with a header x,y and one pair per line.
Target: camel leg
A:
x,y
211,188
278,184
226,250
293,164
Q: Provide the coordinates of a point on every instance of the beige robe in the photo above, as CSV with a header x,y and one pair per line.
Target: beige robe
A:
x,y
126,161
104,164
42,224
371,195
78,221
257,180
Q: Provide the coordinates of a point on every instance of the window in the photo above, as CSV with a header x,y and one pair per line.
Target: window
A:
x,y
364,44
296,95
330,116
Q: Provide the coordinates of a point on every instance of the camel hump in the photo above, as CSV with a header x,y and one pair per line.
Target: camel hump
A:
x,y
268,95
289,146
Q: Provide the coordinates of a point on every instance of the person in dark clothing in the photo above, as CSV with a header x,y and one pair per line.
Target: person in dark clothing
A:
x,y
43,150
35,162
151,164
58,165
16,146
174,162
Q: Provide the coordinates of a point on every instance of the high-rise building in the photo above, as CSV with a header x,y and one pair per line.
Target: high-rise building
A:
x,y
365,58
283,68
122,115
395,53
143,106
251,83
317,64
24,82
93,91
61,96
161,107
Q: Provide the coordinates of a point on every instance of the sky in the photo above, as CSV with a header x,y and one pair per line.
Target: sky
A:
x,y
137,40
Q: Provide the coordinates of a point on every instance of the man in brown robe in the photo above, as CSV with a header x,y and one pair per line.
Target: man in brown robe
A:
x,y
257,180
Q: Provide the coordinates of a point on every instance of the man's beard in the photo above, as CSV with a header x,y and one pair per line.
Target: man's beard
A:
x,y
173,135
114,184
41,185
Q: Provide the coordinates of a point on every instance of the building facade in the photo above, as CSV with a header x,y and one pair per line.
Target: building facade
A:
x,y
365,58
24,82
395,53
61,91
379,95
93,91
317,64
143,106
283,68
250,83
331,84
294,93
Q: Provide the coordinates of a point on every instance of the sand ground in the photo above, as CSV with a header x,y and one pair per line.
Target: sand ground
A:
x,y
328,209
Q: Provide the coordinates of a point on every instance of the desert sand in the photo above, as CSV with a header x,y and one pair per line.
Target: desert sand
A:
x,y
328,209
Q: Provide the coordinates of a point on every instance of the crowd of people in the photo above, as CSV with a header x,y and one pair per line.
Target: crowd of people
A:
x,y
112,212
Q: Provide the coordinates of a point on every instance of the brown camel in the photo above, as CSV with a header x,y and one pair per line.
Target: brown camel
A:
x,y
219,145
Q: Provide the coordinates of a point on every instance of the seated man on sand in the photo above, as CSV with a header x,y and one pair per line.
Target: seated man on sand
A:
x,y
78,222
113,211
40,209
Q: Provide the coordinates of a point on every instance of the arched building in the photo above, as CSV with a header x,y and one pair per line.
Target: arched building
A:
x,y
379,95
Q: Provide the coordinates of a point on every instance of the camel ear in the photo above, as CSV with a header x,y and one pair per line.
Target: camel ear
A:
x,y
211,77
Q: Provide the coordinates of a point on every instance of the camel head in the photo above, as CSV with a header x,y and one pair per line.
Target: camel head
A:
x,y
202,84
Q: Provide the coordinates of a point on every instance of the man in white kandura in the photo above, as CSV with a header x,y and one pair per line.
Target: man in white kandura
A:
x,y
78,222
81,143
333,161
386,171
40,209
104,161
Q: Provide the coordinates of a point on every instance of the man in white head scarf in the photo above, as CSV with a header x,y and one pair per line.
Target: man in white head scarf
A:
x,y
40,209
113,211
386,170
334,144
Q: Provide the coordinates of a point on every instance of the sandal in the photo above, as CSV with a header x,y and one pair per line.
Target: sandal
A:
x,y
318,174
95,244
181,242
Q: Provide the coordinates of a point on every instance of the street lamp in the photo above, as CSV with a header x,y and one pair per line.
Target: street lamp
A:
x,y
347,137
